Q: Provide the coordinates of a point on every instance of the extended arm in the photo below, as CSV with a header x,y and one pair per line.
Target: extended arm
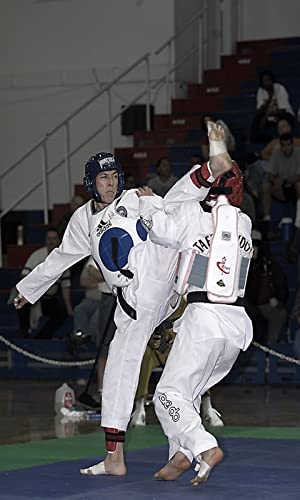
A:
x,y
74,247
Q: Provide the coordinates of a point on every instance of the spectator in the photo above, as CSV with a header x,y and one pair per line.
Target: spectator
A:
x,y
266,294
283,127
248,205
272,104
229,139
283,181
93,317
155,356
50,304
85,316
75,203
106,328
164,179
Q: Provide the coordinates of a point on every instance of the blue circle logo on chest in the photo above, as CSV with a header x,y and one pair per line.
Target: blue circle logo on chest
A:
x,y
124,245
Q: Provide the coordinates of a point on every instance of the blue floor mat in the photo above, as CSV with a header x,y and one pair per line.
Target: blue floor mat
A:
x,y
253,469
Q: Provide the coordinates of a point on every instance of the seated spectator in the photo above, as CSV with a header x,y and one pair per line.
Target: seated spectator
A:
x,y
272,104
248,206
266,294
229,139
75,203
94,317
283,127
85,316
156,355
106,329
50,304
163,180
283,180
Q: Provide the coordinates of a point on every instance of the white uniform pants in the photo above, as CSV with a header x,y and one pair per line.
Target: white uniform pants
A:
x,y
123,365
192,368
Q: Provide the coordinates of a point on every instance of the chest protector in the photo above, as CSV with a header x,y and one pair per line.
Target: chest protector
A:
x,y
222,273
112,241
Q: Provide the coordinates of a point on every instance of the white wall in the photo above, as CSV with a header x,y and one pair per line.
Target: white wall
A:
x,y
48,49
262,19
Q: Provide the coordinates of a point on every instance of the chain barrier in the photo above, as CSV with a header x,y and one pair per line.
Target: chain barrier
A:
x,y
52,362
277,354
86,362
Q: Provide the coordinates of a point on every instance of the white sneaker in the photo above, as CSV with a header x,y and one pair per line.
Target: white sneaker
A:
x,y
138,418
213,418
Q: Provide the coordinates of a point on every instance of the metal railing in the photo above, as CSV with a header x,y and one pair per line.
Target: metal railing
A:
x,y
42,144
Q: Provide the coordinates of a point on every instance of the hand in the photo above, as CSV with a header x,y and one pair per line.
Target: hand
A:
x,y
273,302
170,336
20,301
155,341
144,191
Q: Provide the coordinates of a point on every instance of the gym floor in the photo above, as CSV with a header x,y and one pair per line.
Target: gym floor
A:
x,y
40,455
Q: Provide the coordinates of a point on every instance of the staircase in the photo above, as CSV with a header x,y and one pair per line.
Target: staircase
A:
x,y
227,93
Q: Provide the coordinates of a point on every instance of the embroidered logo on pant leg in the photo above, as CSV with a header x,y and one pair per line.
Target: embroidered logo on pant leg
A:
x,y
167,404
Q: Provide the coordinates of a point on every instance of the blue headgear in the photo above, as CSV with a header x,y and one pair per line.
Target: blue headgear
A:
x,y
101,162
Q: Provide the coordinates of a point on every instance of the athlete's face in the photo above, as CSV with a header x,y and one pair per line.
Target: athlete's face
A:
x,y
107,185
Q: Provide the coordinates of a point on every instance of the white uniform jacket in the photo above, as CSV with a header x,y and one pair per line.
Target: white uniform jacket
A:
x,y
189,228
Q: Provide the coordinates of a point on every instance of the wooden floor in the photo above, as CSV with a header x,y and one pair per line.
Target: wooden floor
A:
x,y
27,409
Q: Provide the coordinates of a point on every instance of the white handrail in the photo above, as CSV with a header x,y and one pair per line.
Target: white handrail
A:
x,y
42,143
75,113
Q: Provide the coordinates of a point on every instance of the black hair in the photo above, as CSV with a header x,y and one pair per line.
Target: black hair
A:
x,y
266,73
52,229
157,164
286,117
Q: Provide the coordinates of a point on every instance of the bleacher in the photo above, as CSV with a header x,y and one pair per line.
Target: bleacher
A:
x,y
227,93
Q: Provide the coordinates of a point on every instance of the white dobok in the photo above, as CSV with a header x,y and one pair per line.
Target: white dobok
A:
x,y
215,249
148,292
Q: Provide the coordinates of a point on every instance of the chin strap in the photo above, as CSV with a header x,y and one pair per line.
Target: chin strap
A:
x,y
112,438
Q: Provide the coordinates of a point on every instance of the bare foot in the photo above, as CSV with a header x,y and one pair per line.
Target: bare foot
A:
x,y
105,468
215,132
220,164
176,466
210,459
113,464
219,159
